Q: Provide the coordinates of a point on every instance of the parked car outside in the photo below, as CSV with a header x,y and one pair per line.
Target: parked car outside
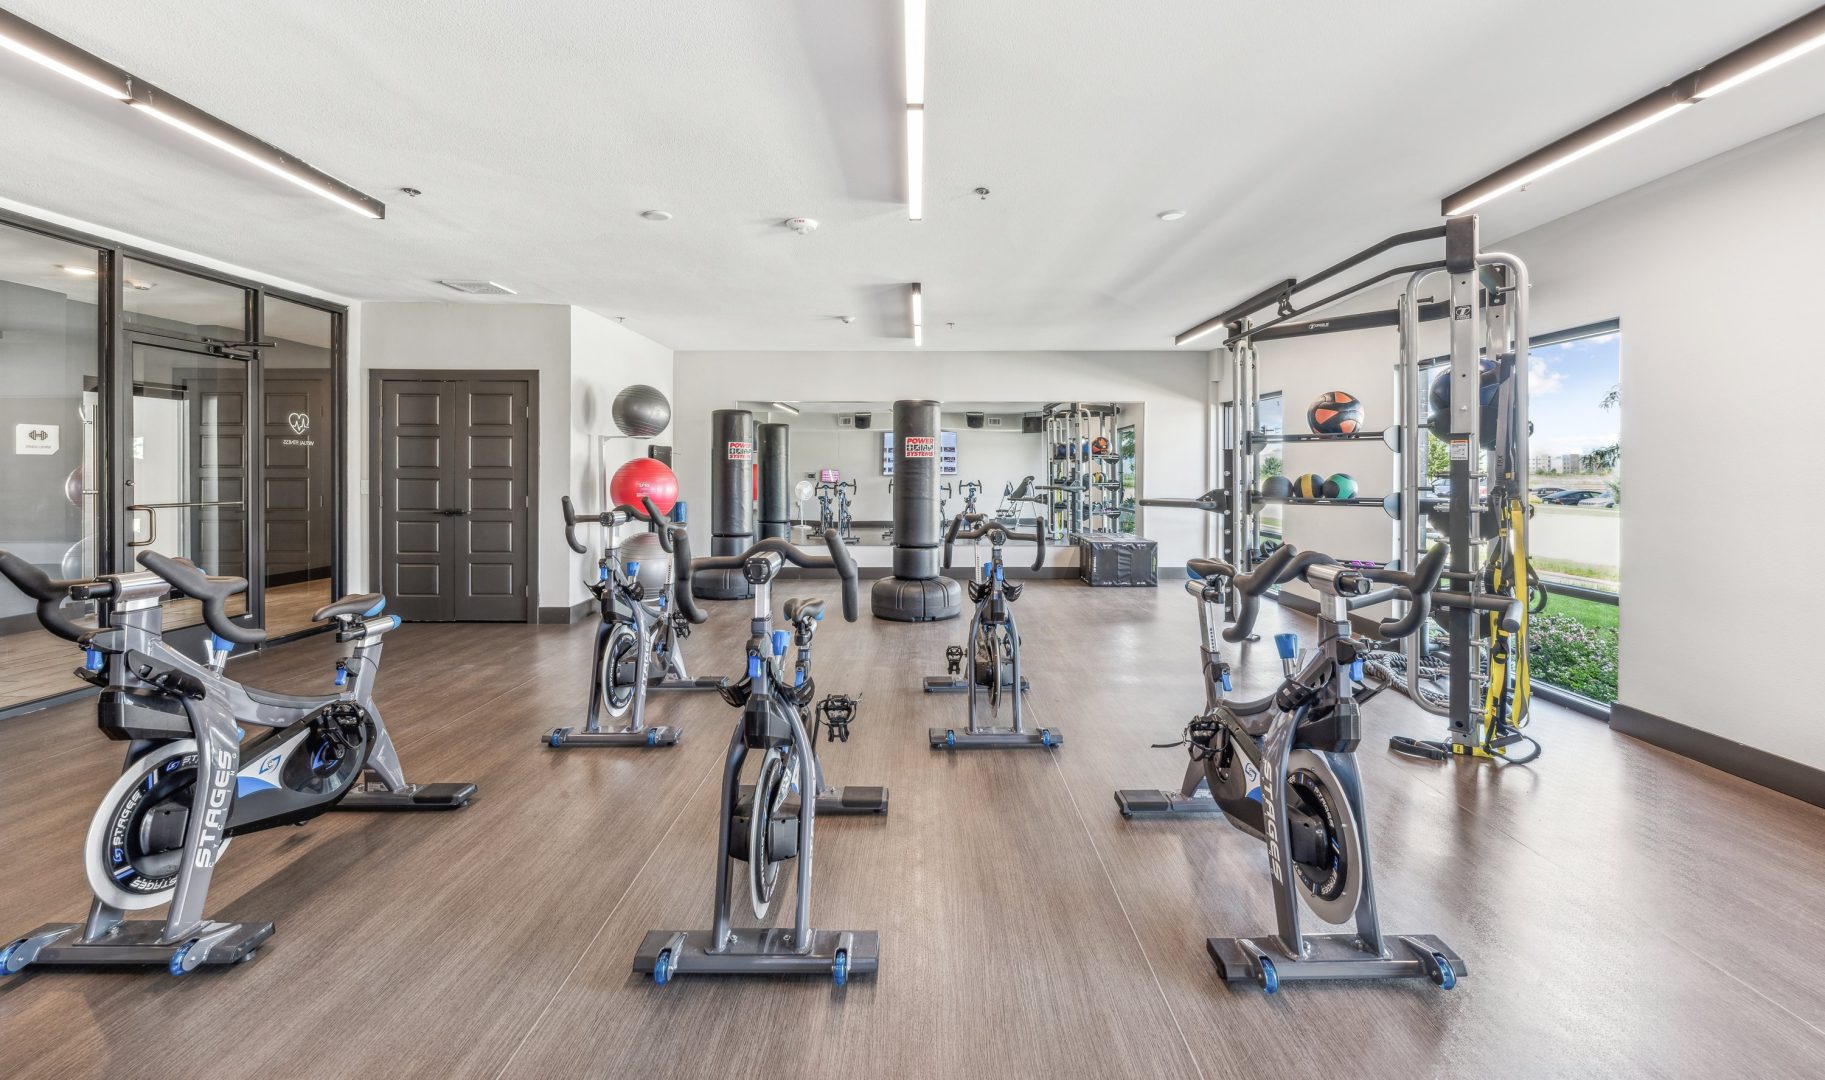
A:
x,y
1574,497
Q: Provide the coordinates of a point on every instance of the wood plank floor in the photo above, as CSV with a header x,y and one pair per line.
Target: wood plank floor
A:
x,y
1624,912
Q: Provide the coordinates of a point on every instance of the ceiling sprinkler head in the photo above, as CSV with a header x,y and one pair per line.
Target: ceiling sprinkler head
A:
x,y
982,193
847,319
803,226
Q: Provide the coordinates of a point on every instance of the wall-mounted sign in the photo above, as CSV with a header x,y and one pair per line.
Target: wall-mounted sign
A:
x,y
35,439
299,424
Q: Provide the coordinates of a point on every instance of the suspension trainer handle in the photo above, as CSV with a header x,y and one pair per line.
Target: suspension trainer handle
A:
x,y
213,592
1251,585
1418,586
837,560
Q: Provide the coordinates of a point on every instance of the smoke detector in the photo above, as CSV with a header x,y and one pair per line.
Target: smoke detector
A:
x,y
655,215
479,288
803,226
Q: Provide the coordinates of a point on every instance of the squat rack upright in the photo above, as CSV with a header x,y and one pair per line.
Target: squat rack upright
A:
x,y
1484,613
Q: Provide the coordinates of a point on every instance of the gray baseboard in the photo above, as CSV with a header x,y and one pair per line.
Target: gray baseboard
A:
x,y
577,612
1801,781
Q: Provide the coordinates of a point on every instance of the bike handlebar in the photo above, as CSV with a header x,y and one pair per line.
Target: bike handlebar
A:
x,y
1418,585
212,591
1251,585
47,591
611,519
984,525
837,560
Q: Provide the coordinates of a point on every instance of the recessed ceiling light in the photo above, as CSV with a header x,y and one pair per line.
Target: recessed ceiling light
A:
x,y
79,271
478,288
1171,215
655,215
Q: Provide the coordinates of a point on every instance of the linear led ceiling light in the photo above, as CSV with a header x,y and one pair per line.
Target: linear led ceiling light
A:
x,y
783,407
917,300
915,109
1765,53
21,37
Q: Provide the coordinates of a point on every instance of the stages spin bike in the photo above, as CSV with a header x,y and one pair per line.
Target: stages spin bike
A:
x,y
833,508
992,650
195,777
639,641
1282,769
769,823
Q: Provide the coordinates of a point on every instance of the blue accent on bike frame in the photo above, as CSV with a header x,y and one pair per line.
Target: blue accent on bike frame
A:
x,y
1224,679
798,677
342,675
380,605
1193,574
601,573
1356,670
633,568
1000,572
780,638
1287,645
93,660
247,785
220,644
754,664
662,599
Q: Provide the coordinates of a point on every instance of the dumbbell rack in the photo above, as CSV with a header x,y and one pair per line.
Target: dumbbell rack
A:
x,y
1085,488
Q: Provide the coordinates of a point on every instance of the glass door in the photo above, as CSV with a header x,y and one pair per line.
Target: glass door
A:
x,y
188,464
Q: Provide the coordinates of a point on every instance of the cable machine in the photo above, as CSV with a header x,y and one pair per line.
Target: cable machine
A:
x,y
1472,669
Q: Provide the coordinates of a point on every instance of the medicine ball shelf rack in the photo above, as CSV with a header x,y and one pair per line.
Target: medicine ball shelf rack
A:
x,y
1079,501
1487,693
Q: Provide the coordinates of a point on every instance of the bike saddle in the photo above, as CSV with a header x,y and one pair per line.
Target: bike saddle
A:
x,y
362,604
810,609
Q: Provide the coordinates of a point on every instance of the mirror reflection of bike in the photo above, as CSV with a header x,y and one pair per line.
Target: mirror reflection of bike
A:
x,y
833,508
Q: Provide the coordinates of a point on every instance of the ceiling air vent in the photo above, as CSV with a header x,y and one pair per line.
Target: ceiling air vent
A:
x,y
479,288
994,421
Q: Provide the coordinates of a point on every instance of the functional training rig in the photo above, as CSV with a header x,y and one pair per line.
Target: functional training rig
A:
x,y
991,652
1083,481
764,825
194,778
1486,693
639,640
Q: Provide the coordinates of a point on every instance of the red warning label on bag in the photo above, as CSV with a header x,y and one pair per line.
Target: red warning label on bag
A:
x,y
741,451
921,446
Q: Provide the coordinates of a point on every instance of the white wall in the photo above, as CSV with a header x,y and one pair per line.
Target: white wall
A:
x,y
1711,272
582,360
1171,385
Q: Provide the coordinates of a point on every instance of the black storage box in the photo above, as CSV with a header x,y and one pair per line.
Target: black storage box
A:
x,y
1116,559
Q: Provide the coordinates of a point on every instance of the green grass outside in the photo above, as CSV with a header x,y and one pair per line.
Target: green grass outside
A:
x,y
1591,613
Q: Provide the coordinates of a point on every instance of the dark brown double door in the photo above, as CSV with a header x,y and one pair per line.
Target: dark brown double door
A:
x,y
454,486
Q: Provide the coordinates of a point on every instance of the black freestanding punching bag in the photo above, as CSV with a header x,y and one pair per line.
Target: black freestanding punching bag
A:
x,y
773,441
731,506
916,592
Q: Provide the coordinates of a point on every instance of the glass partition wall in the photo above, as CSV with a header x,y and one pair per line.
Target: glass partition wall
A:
x,y
159,407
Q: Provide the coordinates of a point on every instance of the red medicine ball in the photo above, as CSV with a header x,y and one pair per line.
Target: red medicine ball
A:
x,y
648,477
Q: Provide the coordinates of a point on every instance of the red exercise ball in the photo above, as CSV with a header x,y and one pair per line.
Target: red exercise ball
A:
x,y
648,477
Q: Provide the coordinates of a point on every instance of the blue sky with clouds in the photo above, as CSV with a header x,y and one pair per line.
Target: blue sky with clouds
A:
x,y
1568,382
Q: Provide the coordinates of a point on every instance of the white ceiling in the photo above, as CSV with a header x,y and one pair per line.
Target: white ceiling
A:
x,y
1292,133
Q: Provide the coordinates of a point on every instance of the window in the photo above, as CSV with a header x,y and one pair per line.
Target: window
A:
x,y
1270,419
49,505
1575,486
1124,446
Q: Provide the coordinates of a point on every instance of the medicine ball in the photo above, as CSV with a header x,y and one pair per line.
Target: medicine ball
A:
x,y
648,477
641,412
655,565
1276,487
1099,445
1309,486
1340,486
1489,381
1335,413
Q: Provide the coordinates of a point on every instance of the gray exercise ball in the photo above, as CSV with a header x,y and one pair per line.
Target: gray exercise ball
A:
x,y
655,564
641,412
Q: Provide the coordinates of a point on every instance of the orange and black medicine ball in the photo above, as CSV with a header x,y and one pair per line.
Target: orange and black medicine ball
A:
x,y
1335,413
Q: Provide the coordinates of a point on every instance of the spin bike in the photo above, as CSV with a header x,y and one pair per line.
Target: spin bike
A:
x,y
836,517
992,652
194,778
1283,770
639,640
768,823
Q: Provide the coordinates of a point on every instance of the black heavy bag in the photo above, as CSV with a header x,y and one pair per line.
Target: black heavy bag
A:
x,y
915,592
773,441
731,505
